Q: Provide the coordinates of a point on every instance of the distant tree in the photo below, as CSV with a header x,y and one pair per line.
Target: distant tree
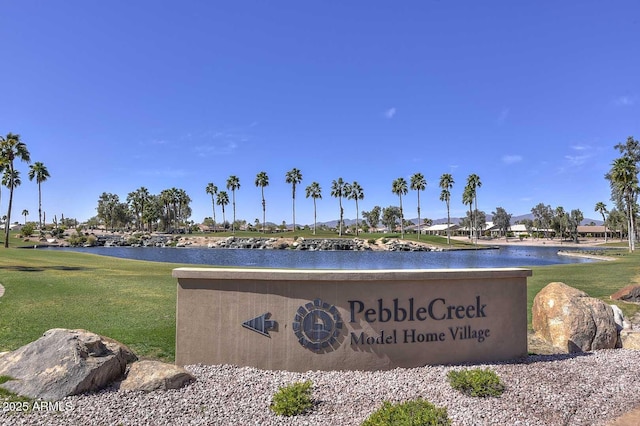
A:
x,y
559,222
39,171
356,193
222,201
473,183
262,180
542,215
617,222
25,213
624,187
467,200
373,217
575,218
314,191
390,216
338,191
294,177
107,204
602,209
446,183
137,201
233,184
418,183
11,148
502,220
399,187
212,190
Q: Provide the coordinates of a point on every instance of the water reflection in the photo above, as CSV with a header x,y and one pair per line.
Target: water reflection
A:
x,y
505,256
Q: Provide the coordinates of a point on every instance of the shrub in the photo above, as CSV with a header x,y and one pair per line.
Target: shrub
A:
x,y
27,230
476,382
293,399
411,413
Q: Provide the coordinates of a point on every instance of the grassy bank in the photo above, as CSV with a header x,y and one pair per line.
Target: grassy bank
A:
x,y
134,301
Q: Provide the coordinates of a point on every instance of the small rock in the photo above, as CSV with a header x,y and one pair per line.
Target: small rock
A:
x,y
630,339
155,375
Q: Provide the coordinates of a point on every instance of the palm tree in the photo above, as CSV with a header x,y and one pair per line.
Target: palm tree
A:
x,y
473,183
294,177
338,191
212,190
602,209
467,199
25,213
12,148
314,191
233,183
223,200
138,200
446,183
624,178
418,183
356,193
262,180
399,187
39,171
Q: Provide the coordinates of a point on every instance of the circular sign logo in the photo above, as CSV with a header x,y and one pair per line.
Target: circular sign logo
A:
x,y
317,325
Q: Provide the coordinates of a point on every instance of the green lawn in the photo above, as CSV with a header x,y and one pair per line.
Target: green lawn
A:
x,y
134,301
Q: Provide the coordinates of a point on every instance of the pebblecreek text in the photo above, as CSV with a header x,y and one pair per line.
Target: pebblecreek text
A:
x,y
434,310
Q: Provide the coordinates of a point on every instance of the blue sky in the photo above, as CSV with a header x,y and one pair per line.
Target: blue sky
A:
x,y
112,96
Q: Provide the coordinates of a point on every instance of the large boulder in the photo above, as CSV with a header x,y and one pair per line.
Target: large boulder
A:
x,y
64,362
571,320
630,293
155,375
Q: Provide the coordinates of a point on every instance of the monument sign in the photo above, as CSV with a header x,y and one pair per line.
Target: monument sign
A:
x,y
301,320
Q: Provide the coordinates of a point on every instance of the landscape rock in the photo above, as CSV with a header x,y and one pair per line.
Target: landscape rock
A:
x,y
630,293
630,339
571,320
155,375
64,362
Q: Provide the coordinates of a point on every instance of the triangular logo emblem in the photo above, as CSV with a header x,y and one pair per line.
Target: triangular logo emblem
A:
x,y
261,324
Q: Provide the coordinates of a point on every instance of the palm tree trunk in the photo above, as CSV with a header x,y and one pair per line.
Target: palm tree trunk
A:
x,y
418,214
314,216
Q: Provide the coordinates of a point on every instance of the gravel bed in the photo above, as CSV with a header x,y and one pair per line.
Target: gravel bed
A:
x,y
580,389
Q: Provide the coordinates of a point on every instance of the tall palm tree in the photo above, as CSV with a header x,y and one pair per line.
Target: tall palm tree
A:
x,y
212,190
223,200
39,171
12,148
338,191
467,199
602,209
25,213
314,191
446,183
624,177
473,182
418,183
233,183
294,177
399,187
262,180
10,180
356,193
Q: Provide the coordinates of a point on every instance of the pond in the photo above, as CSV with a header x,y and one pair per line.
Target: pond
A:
x,y
503,257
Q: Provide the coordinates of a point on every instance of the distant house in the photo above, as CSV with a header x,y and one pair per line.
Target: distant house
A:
x,y
440,229
596,231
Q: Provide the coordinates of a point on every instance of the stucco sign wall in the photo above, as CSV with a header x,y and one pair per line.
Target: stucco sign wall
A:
x,y
301,320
